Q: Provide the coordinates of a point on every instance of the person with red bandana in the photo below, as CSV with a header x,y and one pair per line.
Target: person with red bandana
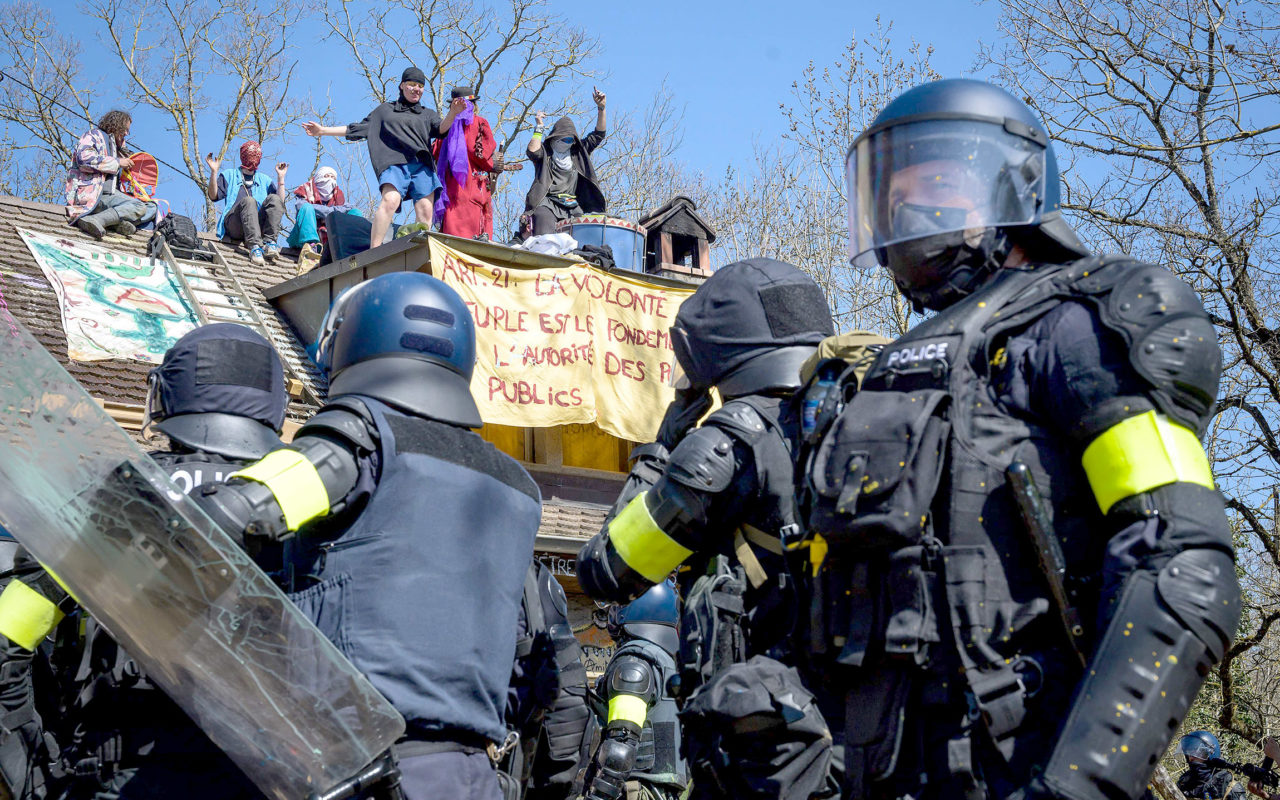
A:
x,y
252,203
466,156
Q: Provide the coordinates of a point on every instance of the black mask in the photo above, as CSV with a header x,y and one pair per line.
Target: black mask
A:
x,y
935,271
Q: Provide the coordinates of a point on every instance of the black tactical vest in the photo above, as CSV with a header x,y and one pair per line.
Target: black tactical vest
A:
x,y
931,571
766,511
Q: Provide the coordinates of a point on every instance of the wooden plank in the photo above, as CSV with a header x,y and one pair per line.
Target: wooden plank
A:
x,y
664,248
704,255
548,447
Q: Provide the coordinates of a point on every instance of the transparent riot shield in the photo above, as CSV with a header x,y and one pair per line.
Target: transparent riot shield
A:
x,y
206,624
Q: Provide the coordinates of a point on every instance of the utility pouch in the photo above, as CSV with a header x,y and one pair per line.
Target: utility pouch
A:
x,y
874,473
912,626
985,621
875,709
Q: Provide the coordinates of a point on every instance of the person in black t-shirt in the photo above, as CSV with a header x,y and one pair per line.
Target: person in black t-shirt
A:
x,y
399,136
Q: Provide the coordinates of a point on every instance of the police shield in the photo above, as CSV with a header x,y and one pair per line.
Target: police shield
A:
x,y
208,626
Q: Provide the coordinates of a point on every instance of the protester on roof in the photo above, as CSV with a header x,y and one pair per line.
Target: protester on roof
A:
x,y
565,185
313,202
252,203
399,135
466,157
95,203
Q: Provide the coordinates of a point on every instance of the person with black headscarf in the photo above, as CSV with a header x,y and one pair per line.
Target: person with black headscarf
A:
x,y
564,185
399,135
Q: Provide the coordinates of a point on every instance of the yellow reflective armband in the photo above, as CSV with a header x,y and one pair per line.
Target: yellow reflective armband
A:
x,y
295,483
26,616
1143,453
645,547
628,707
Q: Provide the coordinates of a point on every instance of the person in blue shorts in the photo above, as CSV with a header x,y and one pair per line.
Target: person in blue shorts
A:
x,y
399,135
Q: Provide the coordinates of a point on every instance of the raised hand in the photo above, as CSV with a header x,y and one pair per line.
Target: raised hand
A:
x,y
212,163
311,128
597,96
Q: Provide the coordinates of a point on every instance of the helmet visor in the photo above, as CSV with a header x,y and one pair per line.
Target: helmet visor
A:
x,y
323,346
931,177
1193,746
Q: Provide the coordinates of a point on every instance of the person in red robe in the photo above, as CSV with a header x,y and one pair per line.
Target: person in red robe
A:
x,y
465,157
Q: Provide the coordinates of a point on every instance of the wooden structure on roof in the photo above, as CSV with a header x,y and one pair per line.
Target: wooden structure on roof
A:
x,y
678,241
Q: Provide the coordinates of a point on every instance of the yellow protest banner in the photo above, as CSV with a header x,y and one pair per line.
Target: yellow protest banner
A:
x,y
565,345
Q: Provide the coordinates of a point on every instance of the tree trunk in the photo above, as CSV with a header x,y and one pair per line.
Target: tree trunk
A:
x,y
1162,783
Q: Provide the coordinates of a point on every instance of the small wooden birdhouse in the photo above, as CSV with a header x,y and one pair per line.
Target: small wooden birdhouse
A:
x,y
678,240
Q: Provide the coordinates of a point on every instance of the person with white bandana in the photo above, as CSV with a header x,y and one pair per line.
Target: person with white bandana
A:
x,y
565,185
313,202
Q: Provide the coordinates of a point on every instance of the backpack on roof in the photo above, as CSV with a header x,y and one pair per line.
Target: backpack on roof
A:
x,y
183,238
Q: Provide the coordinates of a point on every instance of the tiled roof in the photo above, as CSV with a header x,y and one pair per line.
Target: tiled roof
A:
x,y
32,301
576,521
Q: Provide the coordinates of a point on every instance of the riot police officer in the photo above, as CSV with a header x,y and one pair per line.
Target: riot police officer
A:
x,y
1203,781
1018,489
414,535
746,331
219,397
547,700
725,487
641,743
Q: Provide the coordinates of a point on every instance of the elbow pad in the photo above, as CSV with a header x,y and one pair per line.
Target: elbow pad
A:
x,y
285,490
657,530
1167,632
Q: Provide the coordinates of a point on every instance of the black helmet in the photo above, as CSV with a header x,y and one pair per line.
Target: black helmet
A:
x,y
219,389
947,178
404,338
748,329
653,616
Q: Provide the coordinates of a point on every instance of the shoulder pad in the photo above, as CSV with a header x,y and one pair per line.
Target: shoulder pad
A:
x,y
740,418
555,606
1172,343
703,460
630,674
347,419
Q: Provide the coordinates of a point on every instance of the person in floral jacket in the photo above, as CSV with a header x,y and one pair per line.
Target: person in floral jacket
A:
x,y
95,203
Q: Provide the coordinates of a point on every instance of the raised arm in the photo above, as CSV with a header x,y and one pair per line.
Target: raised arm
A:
x,y
535,144
213,164
455,108
599,98
313,128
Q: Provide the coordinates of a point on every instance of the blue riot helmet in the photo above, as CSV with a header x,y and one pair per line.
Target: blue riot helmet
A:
x,y
1200,745
219,389
407,339
945,181
653,616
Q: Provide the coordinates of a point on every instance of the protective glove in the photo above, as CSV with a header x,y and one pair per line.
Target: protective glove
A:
x,y
682,415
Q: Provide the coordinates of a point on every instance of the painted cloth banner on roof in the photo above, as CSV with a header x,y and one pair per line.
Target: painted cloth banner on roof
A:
x,y
566,345
113,305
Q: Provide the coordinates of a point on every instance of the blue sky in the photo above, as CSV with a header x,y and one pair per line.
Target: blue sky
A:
x,y
728,64
732,63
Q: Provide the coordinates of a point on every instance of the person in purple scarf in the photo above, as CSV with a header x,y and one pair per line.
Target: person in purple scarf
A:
x,y
465,157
